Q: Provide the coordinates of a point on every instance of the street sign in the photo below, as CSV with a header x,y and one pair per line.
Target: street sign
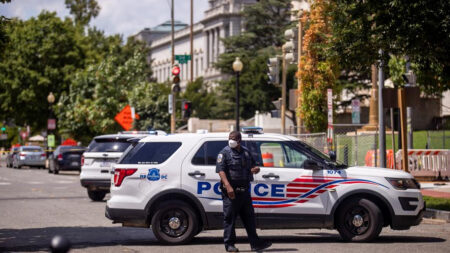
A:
x,y
51,124
330,106
51,140
183,58
125,119
356,111
170,104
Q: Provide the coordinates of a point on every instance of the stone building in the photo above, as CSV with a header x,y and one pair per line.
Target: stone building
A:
x,y
221,20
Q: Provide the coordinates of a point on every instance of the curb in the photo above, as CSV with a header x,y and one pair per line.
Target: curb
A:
x,y
437,214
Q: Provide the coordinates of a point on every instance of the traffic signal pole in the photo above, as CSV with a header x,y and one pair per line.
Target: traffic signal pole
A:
x,y
172,44
299,80
283,93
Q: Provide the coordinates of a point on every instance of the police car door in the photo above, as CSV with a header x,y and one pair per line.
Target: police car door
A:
x,y
199,175
284,194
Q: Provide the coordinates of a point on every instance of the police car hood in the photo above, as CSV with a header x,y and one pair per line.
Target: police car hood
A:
x,y
374,171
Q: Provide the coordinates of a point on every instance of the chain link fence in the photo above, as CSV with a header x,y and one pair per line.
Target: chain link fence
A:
x,y
353,144
438,139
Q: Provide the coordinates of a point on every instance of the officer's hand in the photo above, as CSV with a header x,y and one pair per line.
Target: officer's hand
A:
x,y
255,170
230,191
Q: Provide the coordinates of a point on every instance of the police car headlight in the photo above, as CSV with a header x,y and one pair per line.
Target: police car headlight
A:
x,y
403,183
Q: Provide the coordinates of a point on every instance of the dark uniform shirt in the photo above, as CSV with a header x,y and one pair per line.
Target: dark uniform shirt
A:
x,y
236,165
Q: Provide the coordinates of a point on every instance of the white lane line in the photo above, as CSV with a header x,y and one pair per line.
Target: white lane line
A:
x,y
34,182
64,182
4,183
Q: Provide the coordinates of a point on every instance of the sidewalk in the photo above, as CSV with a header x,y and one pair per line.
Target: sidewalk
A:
x,y
436,189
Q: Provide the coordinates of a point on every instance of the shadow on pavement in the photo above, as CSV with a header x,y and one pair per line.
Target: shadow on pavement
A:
x,y
34,239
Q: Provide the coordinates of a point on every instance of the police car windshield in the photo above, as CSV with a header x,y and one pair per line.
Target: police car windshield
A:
x,y
108,145
318,153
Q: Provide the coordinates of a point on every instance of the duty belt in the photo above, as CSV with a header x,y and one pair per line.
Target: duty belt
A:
x,y
240,189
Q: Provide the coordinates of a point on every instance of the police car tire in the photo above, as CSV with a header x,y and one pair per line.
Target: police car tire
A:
x,y
372,220
96,195
189,217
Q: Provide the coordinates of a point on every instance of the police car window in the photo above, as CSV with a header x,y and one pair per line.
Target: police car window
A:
x,y
150,153
281,155
207,153
108,145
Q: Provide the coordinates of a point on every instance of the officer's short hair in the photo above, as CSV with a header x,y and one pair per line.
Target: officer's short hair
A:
x,y
235,135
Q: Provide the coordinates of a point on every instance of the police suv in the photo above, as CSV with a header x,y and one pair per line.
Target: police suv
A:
x,y
101,154
170,183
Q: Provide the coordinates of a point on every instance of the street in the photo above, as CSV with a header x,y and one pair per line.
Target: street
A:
x,y
35,206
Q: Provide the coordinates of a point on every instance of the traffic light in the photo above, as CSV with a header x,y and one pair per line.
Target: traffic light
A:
x,y
186,109
3,129
176,78
274,70
290,46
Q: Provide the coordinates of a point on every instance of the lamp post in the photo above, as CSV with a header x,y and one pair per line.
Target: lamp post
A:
x,y
50,100
237,67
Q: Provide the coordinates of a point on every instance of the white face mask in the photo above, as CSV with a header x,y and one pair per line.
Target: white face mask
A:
x,y
232,143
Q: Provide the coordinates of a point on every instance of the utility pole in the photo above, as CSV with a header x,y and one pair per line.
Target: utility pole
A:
x,y
172,44
192,40
402,106
381,129
299,80
283,93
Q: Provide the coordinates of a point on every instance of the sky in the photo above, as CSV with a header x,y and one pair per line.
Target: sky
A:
x,y
116,16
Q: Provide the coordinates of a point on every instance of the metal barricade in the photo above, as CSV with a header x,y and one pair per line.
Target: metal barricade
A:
x,y
426,162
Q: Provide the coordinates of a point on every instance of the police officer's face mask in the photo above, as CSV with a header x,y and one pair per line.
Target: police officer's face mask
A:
x,y
232,143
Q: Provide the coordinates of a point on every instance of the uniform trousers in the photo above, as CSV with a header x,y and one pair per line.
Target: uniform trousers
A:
x,y
241,205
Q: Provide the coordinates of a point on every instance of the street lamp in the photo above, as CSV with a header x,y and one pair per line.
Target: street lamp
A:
x,y
50,100
237,67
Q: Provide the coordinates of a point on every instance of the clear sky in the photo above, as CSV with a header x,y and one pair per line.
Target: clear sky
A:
x,y
126,17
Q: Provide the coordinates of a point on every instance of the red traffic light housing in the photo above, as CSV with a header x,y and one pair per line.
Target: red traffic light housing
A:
x,y
186,109
176,74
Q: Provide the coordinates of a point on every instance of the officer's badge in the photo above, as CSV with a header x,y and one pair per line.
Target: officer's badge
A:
x,y
219,158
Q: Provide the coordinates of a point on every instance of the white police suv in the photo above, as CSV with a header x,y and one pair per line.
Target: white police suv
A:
x,y
170,183
103,152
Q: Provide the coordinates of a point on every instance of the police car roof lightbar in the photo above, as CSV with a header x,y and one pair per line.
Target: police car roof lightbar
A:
x,y
152,132
252,130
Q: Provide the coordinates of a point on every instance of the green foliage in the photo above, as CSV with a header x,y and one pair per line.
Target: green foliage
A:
x,y
40,56
83,10
204,100
97,94
418,29
150,101
265,23
437,203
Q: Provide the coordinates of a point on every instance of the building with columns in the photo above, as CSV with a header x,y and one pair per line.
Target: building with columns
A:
x,y
221,20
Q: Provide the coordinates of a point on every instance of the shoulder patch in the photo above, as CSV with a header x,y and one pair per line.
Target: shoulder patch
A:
x,y
219,158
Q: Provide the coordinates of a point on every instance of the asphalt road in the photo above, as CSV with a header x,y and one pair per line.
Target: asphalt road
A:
x,y
35,206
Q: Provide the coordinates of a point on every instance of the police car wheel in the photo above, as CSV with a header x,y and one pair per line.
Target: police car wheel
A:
x,y
96,195
174,222
359,220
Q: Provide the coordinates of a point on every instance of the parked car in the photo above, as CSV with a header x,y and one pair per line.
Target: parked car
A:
x,y
66,158
32,156
9,158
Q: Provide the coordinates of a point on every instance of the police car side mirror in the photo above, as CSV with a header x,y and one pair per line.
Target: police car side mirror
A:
x,y
332,156
309,164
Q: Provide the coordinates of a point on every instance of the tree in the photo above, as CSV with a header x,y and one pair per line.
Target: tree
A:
x,y
204,101
265,22
418,29
98,93
317,72
83,10
40,57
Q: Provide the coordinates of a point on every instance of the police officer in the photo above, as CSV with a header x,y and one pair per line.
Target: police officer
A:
x,y
236,167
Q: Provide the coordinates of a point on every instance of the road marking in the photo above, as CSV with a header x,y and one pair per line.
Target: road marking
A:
x,y
34,182
4,183
64,182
